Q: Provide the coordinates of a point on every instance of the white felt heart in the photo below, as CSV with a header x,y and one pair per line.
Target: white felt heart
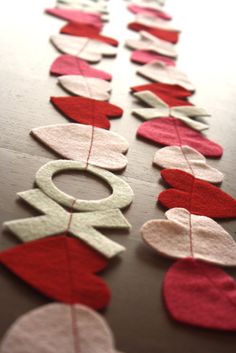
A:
x,y
148,20
88,49
99,147
59,328
159,72
88,6
189,160
153,5
90,87
149,42
185,234
161,109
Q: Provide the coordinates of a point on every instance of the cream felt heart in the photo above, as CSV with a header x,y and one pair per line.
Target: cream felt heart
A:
x,y
185,234
188,160
159,72
88,49
148,20
160,109
149,42
59,328
88,6
153,5
85,143
89,87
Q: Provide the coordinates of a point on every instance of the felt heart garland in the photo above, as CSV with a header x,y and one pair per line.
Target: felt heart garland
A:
x,y
71,65
164,34
59,328
87,111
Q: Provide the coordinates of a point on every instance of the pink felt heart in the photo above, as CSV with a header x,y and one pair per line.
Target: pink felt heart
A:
x,y
172,132
197,196
136,9
78,16
200,294
85,143
145,56
185,234
71,65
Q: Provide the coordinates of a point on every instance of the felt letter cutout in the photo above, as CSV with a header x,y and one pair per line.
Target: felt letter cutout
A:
x,y
157,71
78,16
160,109
186,235
76,29
122,194
167,91
86,87
172,132
71,65
85,143
197,196
146,56
61,268
157,13
48,329
56,220
161,33
149,42
189,160
87,111
88,49
200,294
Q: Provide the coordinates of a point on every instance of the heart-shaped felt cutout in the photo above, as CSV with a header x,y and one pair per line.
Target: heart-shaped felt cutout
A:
x,y
85,48
136,9
62,268
169,36
185,234
86,87
168,91
76,29
77,16
172,132
189,160
155,22
59,328
159,72
146,56
71,65
200,294
85,143
197,196
87,111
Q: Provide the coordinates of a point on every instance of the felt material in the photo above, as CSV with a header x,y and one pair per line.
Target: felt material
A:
x,y
164,34
86,86
78,16
146,56
85,48
88,8
200,294
59,328
136,9
185,234
56,220
150,21
150,4
62,268
189,160
197,196
159,72
172,132
71,65
173,91
85,143
149,42
76,29
160,109
122,194
87,111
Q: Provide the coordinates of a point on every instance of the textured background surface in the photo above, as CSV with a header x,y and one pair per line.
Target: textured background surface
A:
x,y
136,313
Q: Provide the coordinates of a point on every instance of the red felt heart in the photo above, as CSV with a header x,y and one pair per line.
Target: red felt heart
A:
x,y
87,111
62,268
200,294
165,34
80,30
172,132
197,196
71,65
